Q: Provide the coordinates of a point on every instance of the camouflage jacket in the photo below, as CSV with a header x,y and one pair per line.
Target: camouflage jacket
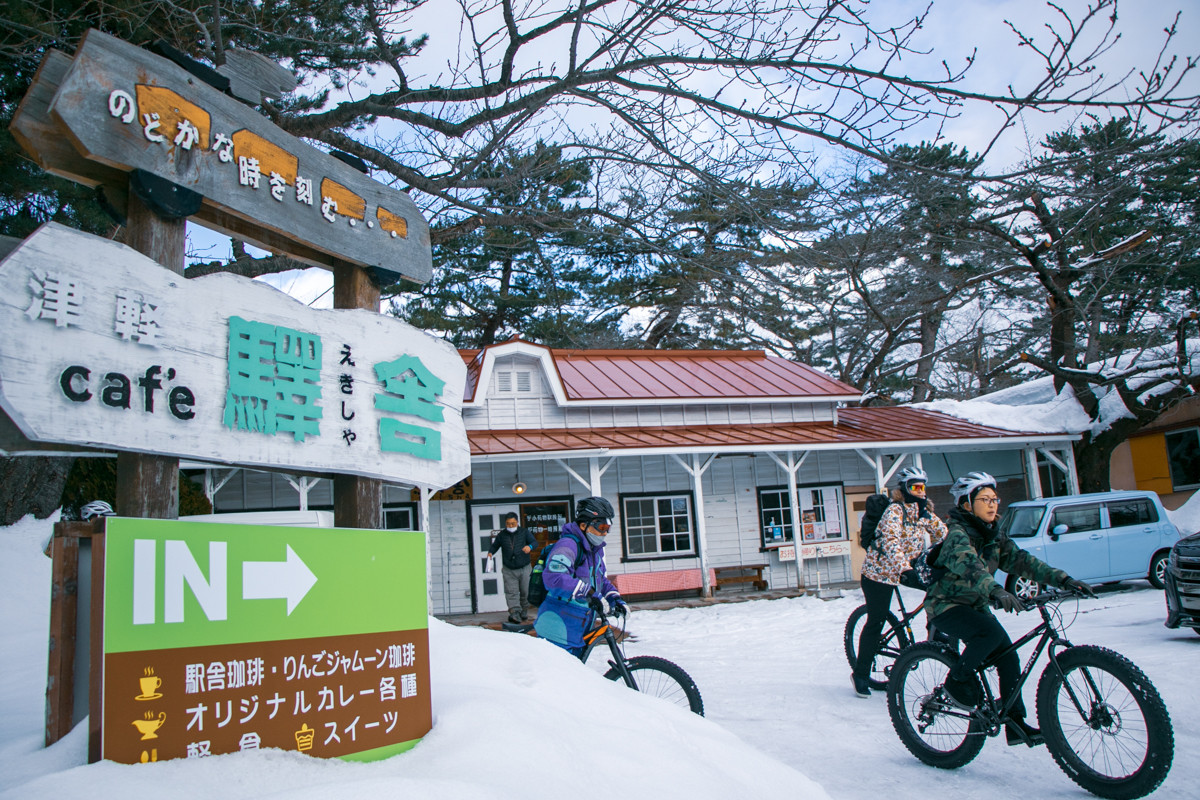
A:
x,y
899,539
970,556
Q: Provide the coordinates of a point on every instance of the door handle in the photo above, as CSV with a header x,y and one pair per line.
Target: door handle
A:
x,y
1095,537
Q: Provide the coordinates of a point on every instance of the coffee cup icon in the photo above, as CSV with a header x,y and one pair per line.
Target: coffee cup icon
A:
x,y
147,727
150,687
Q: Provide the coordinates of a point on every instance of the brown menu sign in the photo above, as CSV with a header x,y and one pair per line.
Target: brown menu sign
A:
x,y
252,676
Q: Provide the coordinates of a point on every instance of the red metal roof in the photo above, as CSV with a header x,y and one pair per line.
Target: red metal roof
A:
x,y
856,426
664,375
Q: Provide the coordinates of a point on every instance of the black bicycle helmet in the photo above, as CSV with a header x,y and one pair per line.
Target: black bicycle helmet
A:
x,y
593,509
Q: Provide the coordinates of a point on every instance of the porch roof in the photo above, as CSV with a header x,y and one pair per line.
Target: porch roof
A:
x,y
894,428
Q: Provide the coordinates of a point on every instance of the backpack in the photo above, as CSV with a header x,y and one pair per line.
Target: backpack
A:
x,y
537,587
876,505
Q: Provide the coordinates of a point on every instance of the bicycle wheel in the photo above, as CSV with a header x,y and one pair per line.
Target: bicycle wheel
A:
x,y
1118,742
892,640
660,678
933,729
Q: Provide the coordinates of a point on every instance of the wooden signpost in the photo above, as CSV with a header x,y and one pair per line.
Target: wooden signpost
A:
x,y
115,108
108,349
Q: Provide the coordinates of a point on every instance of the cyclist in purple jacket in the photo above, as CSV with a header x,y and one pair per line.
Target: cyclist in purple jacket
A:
x,y
575,574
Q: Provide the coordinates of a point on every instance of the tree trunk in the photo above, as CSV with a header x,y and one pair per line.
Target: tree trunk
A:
x,y
1093,454
31,485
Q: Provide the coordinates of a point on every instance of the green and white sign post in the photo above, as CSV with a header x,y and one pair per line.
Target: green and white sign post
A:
x,y
220,638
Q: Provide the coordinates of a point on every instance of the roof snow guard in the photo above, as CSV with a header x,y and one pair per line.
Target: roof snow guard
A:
x,y
622,377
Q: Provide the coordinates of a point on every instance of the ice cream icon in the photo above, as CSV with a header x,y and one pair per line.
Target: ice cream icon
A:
x,y
304,738
147,727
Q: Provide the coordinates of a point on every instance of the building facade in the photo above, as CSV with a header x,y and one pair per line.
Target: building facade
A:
x,y
714,460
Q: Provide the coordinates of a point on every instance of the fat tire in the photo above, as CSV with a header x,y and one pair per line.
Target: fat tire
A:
x,y
889,648
918,671
668,681
1142,728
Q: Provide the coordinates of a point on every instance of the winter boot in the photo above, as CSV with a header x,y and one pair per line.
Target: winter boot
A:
x,y
963,693
861,687
1016,731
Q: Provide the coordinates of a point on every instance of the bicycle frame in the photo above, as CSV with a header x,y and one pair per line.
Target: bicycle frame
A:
x,y
1049,639
603,631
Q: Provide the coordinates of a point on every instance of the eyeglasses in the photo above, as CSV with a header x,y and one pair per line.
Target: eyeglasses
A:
x,y
988,501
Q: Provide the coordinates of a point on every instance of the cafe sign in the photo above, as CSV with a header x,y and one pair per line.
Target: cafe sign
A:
x,y
104,348
222,638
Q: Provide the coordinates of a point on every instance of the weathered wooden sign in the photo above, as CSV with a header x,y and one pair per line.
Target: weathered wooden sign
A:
x,y
105,348
220,638
115,107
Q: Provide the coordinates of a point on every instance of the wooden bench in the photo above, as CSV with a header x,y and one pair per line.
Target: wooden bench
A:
x,y
742,573
671,580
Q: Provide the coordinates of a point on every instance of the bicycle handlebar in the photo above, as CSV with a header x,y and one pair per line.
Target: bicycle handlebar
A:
x,y
1050,596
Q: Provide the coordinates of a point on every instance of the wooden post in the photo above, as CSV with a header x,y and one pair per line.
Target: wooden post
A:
x,y
64,602
357,502
148,485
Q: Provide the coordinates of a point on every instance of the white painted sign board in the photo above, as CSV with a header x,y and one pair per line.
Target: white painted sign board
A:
x,y
105,348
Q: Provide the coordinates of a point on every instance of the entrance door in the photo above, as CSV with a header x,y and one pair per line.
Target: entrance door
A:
x,y
486,522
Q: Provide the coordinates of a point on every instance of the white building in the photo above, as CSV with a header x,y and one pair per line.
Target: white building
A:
x,y
710,458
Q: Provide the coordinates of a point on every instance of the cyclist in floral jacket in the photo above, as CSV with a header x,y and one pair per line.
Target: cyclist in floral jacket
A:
x,y
575,575
906,528
959,599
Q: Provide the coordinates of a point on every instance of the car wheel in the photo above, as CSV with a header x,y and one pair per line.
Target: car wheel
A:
x,y
1024,588
1158,570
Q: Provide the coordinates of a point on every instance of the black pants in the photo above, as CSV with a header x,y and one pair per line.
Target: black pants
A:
x,y
879,600
982,634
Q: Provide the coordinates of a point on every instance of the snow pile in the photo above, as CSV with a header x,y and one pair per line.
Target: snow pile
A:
x,y
1033,407
514,717
1187,516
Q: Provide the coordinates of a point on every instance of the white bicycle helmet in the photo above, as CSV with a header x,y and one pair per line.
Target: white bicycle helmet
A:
x,y
966,486
96,508
911,475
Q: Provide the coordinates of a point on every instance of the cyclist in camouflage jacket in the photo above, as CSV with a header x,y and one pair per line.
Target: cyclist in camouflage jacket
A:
x,y
959,599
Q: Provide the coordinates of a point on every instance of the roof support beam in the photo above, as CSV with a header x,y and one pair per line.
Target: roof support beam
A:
x,y
792,468
212,486
1032,475
697,469
302,485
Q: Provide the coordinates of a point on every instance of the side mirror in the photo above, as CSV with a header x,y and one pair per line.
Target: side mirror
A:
x,y
1058,531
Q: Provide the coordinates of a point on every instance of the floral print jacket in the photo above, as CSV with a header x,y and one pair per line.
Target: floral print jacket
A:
x,y
899,539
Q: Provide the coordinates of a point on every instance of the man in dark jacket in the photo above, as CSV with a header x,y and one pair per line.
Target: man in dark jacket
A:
x,y
515,544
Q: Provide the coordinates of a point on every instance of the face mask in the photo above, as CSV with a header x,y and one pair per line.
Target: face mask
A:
x,y
512,526
594,539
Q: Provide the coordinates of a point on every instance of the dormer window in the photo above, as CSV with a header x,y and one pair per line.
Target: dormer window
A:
x,y
510,381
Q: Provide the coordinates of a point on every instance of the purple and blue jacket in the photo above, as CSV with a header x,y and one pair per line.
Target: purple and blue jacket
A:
x,y
574,573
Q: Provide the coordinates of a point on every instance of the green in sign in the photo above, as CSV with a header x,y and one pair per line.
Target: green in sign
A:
x,y
189,584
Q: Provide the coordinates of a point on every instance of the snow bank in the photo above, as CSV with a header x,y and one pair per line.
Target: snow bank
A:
x,y
1187,516
514,717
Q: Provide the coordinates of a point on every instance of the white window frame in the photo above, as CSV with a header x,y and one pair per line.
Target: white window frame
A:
x,y
628,532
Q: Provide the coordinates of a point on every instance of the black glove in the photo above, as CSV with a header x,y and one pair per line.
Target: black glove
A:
x,y
1006,600
909,578
1079,588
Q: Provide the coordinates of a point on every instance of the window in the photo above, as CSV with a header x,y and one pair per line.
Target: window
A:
x,y
1022,521
775,516
1183,456
1131,512
400,517
821,515
508,381
659,525
1077,518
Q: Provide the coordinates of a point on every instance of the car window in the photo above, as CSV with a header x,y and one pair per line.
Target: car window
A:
x,y
1077,518
1022,521
1138,511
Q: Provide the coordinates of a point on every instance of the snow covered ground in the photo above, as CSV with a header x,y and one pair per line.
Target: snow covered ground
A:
x,y
517,718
